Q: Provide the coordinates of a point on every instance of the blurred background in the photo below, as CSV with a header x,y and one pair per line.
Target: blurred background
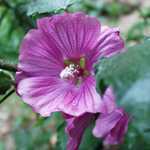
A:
x,y
22,129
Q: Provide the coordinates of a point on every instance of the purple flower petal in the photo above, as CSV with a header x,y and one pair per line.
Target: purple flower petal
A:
x,y
74,34
106,122
112,126
117,134
108,103
47,95
37,56
75,129
82,99
109,42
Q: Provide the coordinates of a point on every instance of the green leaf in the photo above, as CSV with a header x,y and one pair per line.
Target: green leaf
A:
x,y
10,36
5,82
36,134
137,101
145,12
136,32
62,139
89,142
44,6
129,74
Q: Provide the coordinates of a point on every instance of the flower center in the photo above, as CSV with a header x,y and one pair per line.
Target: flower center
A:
x,y
74,70
70,72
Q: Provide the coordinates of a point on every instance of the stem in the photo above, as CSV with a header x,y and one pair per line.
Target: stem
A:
x,y
3,15
7,95
8,67
61,125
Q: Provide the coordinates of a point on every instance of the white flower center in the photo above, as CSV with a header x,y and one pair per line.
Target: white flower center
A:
x,y
69,72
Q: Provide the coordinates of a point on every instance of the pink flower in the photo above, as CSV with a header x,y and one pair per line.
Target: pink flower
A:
x,y
112,127
109,103
55,70
112,124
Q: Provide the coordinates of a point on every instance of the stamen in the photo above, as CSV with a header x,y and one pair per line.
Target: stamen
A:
x,y
69,72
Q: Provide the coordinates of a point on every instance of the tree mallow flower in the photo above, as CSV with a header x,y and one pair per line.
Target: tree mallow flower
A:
x,y
55,70
112,123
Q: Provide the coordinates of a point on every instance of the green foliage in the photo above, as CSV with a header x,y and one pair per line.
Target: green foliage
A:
x,y
5,82
89,142
145,12
48,6
37,134
136,32
39,138
62,139
116,9
10,35
137,101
